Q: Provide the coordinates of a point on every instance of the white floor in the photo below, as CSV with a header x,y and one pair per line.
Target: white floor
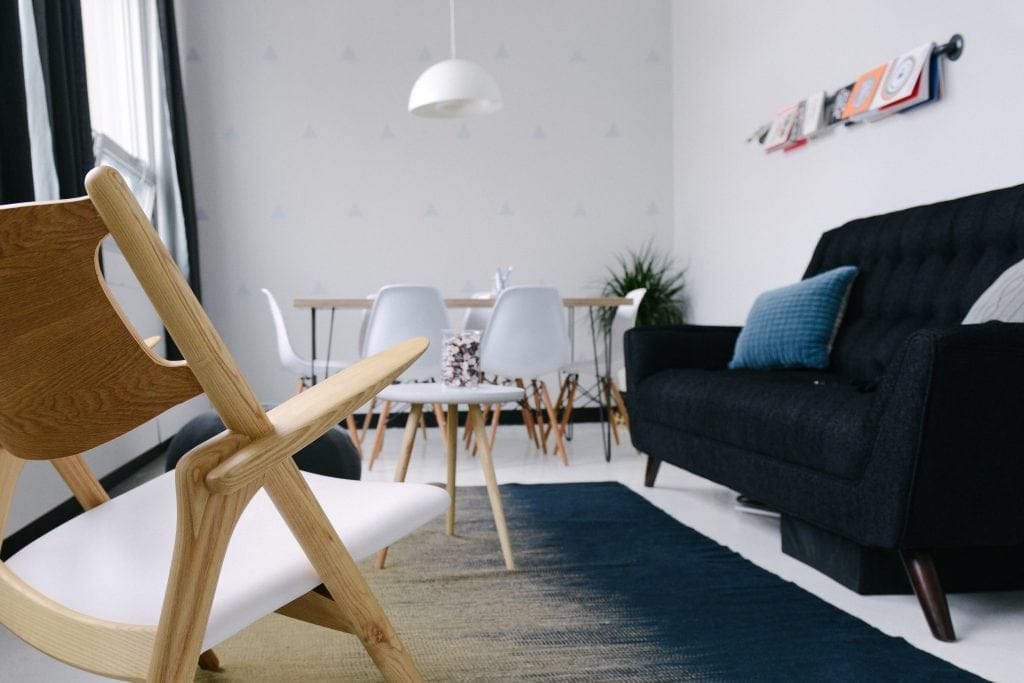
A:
x,y
990,626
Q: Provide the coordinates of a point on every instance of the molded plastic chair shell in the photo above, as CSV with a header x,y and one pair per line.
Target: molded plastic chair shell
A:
x,y
527,336
477,318
403,311
286,353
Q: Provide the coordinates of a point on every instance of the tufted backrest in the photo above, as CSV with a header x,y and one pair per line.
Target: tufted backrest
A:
x,y
919,267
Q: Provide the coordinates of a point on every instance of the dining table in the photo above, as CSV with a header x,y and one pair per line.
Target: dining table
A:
x,y
571,303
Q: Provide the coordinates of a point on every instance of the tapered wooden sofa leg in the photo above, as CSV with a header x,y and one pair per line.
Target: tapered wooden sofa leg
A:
x,y
925,580
652,471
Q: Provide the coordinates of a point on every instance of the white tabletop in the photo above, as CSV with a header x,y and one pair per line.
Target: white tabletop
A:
x,y
437,392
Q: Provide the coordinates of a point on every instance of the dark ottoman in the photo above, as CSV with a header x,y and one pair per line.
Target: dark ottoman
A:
x,y
333,454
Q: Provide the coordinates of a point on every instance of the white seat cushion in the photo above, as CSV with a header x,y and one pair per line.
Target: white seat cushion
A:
x,y
112,562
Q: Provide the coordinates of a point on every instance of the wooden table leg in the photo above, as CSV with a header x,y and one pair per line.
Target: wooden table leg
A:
x,y
451,448
484,451
408,440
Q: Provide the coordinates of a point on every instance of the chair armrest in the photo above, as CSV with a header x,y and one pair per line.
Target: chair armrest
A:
x,y
651,349
305,417
962,390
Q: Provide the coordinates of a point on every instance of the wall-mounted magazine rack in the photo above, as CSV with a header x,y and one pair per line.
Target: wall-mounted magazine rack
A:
x,y
911,80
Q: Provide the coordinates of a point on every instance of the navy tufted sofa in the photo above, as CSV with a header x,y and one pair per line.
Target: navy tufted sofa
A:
x,y
905,458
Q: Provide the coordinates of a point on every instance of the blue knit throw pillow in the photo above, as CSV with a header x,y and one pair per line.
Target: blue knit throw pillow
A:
x,y
793,326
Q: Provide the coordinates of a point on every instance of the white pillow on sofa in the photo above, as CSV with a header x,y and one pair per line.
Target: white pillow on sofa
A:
x,y
1003,300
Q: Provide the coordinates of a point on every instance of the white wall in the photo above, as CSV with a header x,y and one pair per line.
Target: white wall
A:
x,y
312,178
748,221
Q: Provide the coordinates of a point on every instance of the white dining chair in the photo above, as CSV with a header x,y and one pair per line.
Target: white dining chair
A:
x,y
478,317
290,360
308,374
400,312
526,340
606,385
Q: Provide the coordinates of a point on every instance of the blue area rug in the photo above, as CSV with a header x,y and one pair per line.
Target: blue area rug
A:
x,y
718,616
608,588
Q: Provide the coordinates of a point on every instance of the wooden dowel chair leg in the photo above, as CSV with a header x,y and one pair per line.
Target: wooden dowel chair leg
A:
x,y
555,426
620,403
574,382
612,415
541,428
925,580
353,432
528,415
382,426
367,419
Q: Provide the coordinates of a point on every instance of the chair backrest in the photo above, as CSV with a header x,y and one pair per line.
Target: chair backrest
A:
x,y
527,336
285,351
625,319
75,373
477,318
403,311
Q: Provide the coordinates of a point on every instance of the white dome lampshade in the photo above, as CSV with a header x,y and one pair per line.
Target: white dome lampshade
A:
x,y
454,88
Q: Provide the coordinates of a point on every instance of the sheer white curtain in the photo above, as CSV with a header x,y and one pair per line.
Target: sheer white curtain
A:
x,y
128,103
44,170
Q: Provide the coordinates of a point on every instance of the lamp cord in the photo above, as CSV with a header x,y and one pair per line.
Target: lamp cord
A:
x,y
451,14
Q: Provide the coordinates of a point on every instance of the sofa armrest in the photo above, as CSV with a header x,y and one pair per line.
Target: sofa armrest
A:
x,y
651,349
965,479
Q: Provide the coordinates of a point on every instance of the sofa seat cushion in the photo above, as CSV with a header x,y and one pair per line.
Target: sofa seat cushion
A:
x,y
810,418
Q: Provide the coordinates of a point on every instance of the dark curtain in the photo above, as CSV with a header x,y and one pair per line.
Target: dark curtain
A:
x,y
62,53
182,155
179,131
15,150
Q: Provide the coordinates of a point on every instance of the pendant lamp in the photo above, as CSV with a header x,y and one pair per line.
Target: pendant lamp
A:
x,y
455,87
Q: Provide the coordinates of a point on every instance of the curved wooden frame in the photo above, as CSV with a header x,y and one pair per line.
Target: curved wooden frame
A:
x,y
75,329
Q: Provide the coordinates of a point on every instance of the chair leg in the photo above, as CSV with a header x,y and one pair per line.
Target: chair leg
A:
x,y
382,425
353,432
357,606
423,426
606,390
925,580
574,381
539,418
555,426
620,403
528,415
408,441
367,419
204,527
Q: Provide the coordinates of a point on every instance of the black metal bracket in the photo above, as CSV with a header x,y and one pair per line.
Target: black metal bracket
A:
x,y
953,49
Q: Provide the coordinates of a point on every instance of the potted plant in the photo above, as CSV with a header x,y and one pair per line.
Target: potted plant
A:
x,y
658,274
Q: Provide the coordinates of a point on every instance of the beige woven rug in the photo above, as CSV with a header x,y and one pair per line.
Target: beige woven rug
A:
x,y
459,612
